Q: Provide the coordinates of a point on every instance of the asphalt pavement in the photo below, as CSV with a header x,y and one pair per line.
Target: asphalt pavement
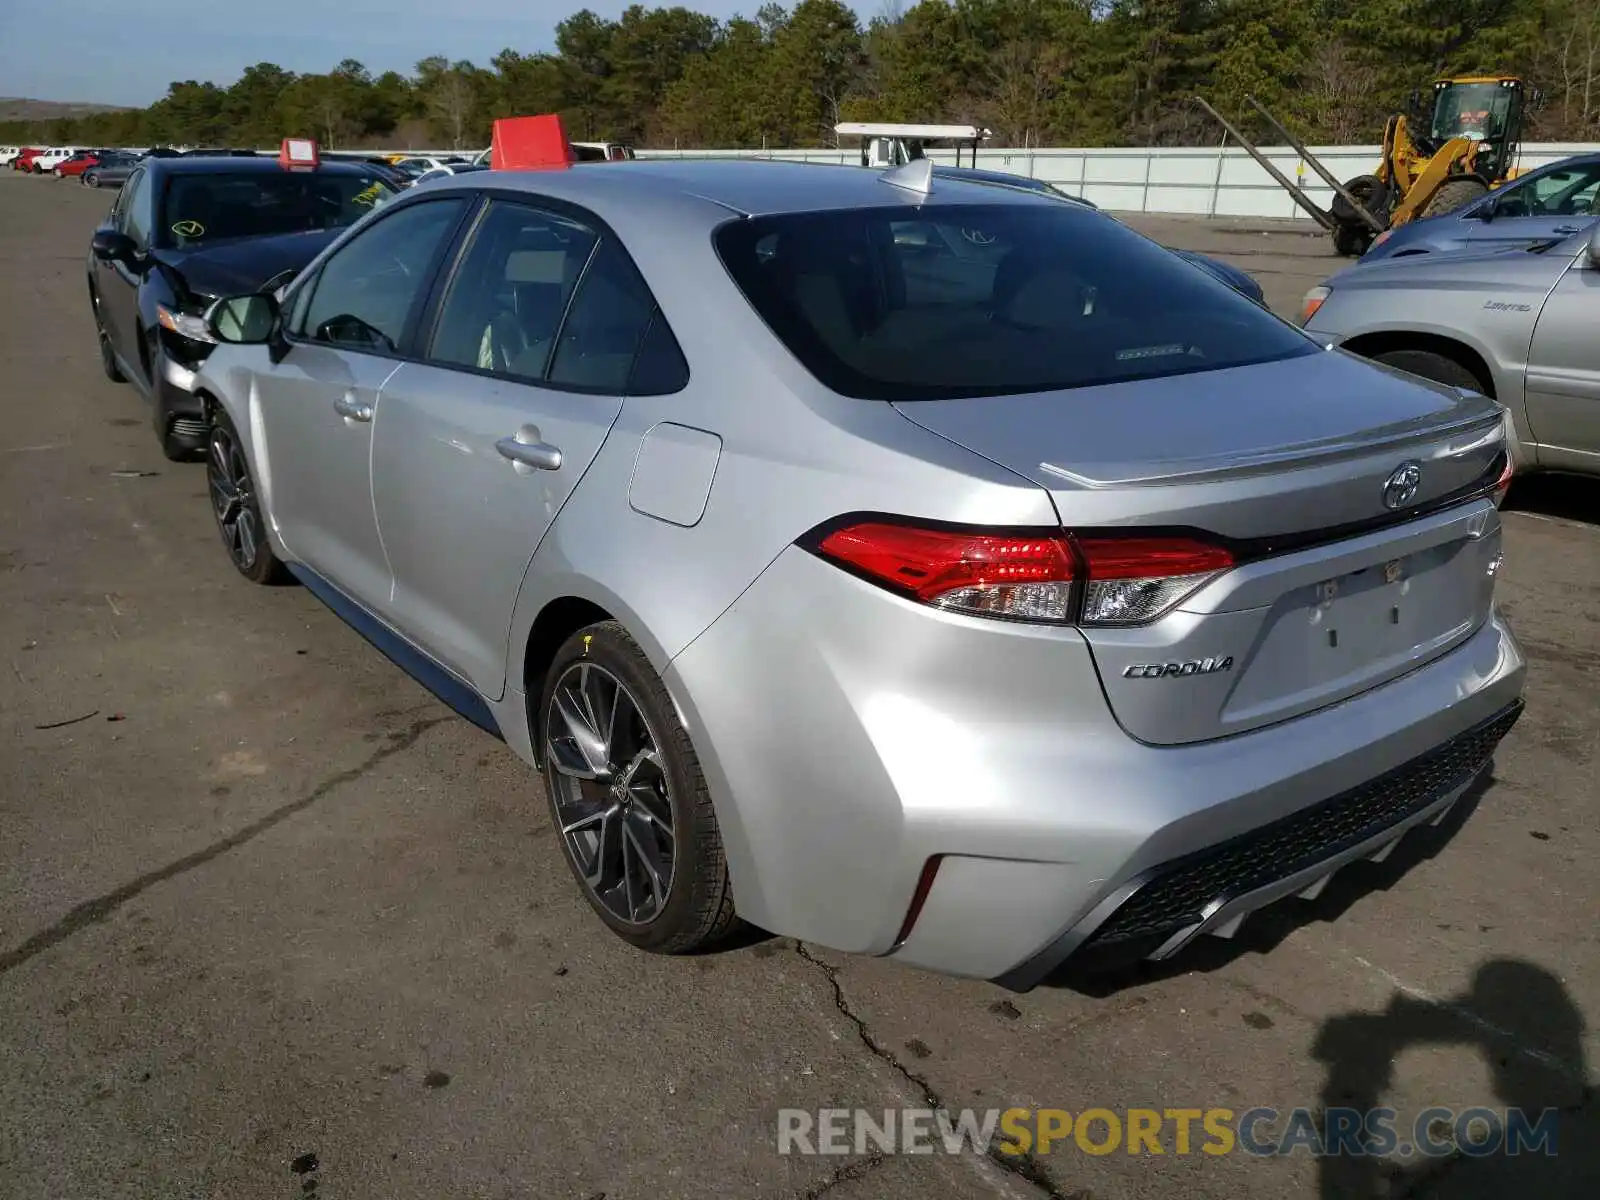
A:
x,y
273,921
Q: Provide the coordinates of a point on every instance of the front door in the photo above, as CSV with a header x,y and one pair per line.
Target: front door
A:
x,y
1545,208
477,450
318,406
117,282
1563,383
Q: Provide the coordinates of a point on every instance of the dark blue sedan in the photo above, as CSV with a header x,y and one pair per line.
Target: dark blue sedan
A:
x,y
1545,205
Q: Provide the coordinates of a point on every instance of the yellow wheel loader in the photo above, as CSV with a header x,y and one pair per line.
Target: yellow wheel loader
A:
x,y
1472,144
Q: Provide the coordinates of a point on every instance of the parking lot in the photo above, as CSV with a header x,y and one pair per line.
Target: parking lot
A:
x,y
274,921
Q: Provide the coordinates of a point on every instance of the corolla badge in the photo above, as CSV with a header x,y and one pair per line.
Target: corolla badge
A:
x,y
1400,489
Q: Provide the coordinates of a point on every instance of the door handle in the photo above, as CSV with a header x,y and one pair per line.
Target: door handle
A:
x,y
349,407
1566,229
534,455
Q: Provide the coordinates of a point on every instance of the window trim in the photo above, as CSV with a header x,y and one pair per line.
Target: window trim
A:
x,y
540,202
419,302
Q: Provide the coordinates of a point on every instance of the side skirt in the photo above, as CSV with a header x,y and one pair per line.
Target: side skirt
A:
x,y
444,684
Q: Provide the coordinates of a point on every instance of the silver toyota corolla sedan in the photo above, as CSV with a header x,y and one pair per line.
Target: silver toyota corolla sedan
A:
x,y
1520,325
911,566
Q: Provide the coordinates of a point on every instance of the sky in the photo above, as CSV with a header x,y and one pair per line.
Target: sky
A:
x,y
127,51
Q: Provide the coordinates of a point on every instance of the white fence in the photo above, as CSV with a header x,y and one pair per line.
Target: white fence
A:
x,y
1193,180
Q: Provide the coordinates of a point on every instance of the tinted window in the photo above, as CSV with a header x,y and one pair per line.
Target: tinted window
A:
x,y
1569,192
134,215
507,298
364,293
609,317
660,368
205,208
944,301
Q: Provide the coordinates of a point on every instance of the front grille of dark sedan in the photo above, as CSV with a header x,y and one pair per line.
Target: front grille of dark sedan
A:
x,y
1178,893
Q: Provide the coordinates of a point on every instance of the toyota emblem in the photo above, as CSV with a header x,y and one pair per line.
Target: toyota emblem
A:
x,y
1400,489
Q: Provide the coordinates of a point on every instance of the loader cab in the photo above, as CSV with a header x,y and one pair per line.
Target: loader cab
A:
x,y
1486,110
886,145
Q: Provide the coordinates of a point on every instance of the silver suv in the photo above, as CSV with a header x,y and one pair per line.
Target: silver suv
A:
x,y
913,566
1522,326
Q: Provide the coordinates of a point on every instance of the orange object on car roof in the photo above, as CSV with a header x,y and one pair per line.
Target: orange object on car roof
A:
x,y
530,144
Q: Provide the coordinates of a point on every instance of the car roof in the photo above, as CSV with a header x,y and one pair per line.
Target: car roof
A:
x,y
749,187
218,164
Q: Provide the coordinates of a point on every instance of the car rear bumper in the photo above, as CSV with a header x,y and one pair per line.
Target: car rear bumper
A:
x,y
850,738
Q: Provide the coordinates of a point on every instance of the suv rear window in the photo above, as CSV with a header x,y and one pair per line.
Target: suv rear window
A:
x,y
946,301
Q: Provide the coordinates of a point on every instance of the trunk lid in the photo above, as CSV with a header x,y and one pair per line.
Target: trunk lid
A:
x,y
1288,463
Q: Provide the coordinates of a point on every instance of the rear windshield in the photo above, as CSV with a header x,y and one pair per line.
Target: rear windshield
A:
x,y
971,300
208,207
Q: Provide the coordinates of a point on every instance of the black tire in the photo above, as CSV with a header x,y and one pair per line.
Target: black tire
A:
x,y
1437,367
1455,193
108,357
1351,241
90,179
1373,194
697,908
232,490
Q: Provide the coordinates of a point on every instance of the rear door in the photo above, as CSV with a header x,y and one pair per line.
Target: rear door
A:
x,y
1563,381
478,448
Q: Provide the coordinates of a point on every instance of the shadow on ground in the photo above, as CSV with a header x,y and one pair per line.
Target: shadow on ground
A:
x,y
1519,1017
1571,497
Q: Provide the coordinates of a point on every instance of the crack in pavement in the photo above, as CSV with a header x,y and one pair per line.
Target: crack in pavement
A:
x,y
846,1174
1025,1167
92,912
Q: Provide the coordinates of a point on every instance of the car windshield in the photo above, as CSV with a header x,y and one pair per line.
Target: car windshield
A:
x,y
208,207
972,300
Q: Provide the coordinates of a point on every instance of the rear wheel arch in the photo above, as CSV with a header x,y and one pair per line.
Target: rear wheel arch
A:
x,y
1372,345
558,620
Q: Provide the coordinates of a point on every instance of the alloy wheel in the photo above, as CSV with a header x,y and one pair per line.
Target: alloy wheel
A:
x,y
233,499
611,792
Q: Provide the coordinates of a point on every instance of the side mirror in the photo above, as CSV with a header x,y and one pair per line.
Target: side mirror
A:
x,y
110,246
1484,211
250,320
1416,102
1594,245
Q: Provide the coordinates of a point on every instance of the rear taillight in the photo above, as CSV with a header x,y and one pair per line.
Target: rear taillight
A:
x,y
1133,580
1026,578
1050,577
1503,484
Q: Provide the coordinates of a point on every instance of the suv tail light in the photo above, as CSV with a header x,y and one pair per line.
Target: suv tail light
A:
x,y
1025,576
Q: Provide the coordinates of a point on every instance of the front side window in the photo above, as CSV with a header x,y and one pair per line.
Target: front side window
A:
x,y
364,294
1569,192
946,301
506,301
203,208
134,216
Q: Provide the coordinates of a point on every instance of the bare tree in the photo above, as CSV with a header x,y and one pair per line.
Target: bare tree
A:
x,y
450,102
1023,76
1338,93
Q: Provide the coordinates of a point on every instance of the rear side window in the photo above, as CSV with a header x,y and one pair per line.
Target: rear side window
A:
x,y
947,301
506,301
605,326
